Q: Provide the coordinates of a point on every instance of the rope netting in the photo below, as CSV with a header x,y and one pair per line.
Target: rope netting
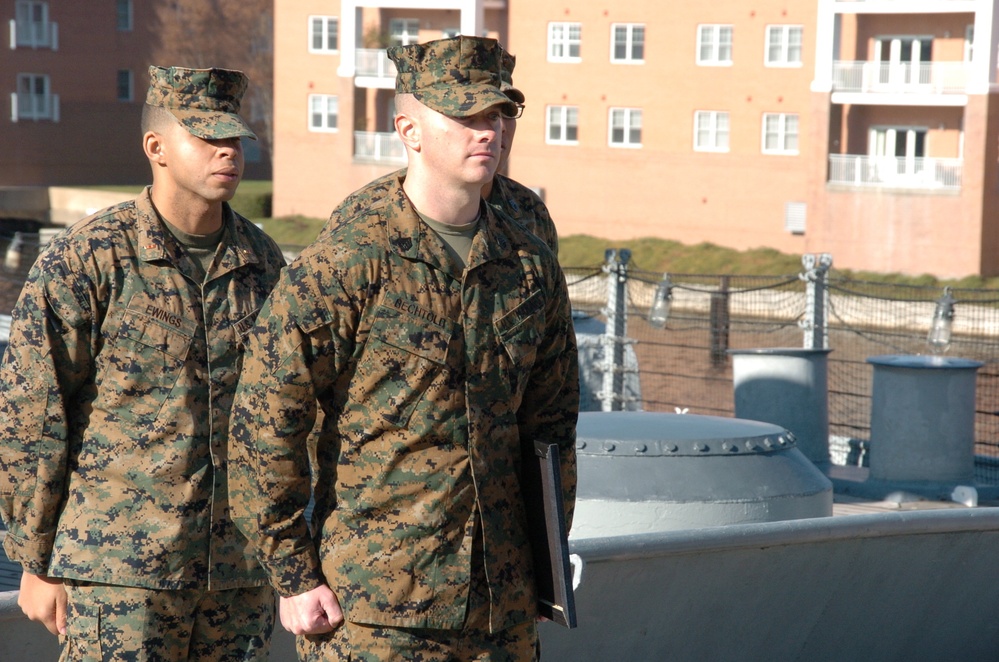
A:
x,y
685,364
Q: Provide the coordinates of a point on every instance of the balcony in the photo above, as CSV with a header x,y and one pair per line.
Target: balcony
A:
x,y
374,69
34,107
900,78
377,147
889,172
34,34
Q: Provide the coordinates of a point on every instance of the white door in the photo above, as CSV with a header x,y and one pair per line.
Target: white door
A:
x,y
897,152
904,60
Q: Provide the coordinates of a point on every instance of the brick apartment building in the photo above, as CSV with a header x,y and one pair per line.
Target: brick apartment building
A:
x,y
862,128
73,77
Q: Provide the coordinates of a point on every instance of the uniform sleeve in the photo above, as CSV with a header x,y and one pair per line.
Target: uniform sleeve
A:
x,y
291,360
551,400
48,361
546,226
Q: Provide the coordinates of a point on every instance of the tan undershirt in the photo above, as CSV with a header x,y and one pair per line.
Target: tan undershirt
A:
x,y
201,247
457,238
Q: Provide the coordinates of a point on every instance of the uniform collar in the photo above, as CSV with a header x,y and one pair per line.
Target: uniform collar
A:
x,y
155,242
409,237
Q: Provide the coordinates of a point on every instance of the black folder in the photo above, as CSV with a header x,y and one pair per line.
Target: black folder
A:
x,y
543,500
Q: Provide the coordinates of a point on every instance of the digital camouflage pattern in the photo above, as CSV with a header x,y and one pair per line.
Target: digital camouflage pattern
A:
x,y
205,101
113,622
508,64
115,393
511,200
515,201
458,77
430,379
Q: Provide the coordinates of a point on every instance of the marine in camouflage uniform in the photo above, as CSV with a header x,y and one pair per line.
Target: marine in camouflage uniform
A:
x,y
509,196
430,377
115,391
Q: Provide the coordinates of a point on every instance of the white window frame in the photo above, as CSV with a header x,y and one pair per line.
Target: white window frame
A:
x,y
320,105
562,116
319,26
716,134
30,105
781,38
721,54
124,15
629,30
783,135
565,41
404,31
631,120
130,83
31,33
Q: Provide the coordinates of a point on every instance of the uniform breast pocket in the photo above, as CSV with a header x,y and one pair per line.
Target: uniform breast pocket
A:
x,y
143,364
521,331
403,356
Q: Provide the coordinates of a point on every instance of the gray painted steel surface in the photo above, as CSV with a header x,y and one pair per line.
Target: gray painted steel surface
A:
x,y
923,419
787,387
649,471
907,586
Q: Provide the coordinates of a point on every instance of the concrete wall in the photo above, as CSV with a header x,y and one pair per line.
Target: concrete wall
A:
x,y
58,205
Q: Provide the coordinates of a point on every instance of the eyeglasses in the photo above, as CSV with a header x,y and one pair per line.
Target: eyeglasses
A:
x,y
515,115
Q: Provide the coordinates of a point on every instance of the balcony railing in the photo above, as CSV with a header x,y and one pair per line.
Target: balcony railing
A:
x,y
374,63
924,173
378,147
901,77
34,34
34,107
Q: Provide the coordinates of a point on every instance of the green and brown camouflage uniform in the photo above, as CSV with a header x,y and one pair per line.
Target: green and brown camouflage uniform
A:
x,y
115,394
509,198
519,203
429,379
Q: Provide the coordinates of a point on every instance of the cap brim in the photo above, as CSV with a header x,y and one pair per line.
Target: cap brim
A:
x,y
213,125
514,94
464,100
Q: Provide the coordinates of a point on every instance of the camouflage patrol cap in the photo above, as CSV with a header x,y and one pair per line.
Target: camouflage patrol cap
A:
x,y
458,77
506,76
205,101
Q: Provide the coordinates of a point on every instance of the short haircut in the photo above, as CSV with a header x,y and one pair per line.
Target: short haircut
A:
x,y
155,119
405,103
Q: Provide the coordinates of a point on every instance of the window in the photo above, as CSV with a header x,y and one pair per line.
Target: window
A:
x,y
124,15
784,46
627,42
404,31
124,85
563,41
32,27
711,131
323,34
324,112
714,45
562,125
625,127
780,133
969,42
34,99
